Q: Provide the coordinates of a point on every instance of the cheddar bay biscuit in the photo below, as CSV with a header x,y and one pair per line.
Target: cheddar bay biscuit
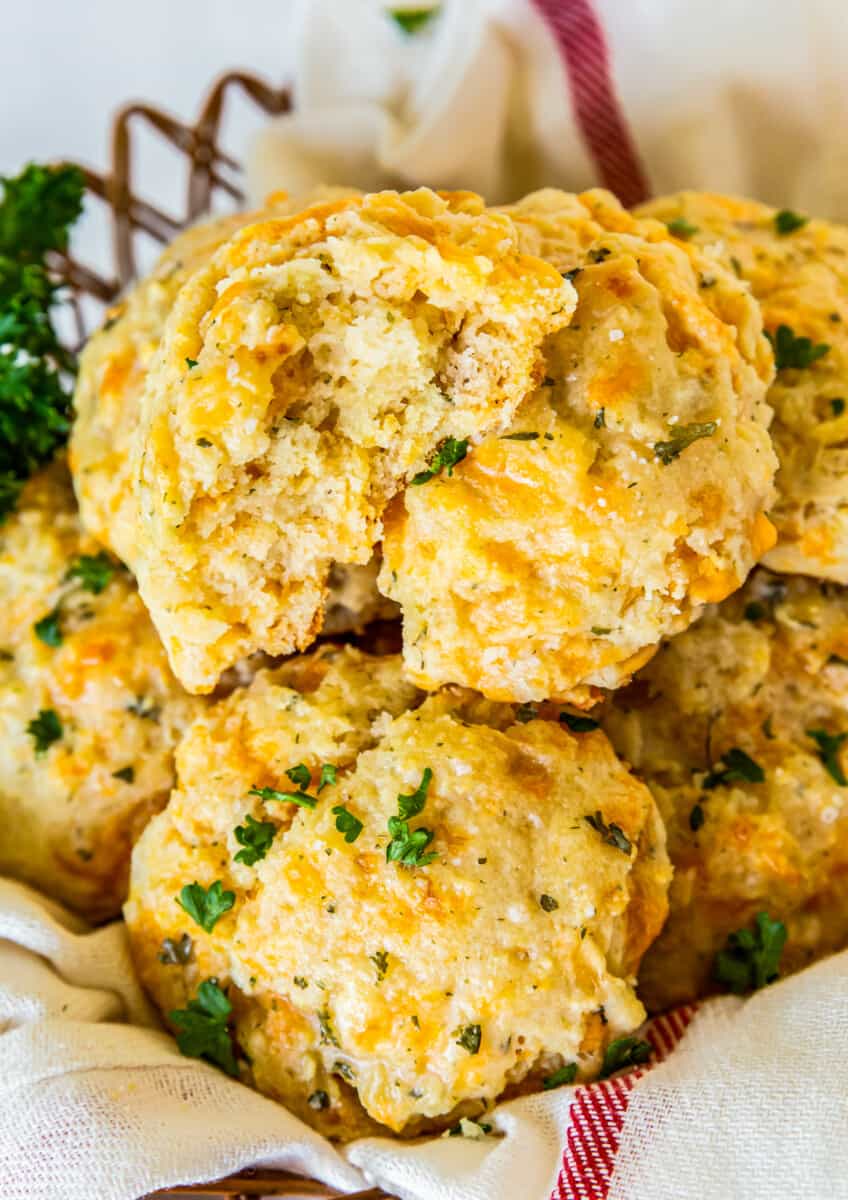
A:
x,y
628,491
739,728
89,710
310,370
454,908
798,271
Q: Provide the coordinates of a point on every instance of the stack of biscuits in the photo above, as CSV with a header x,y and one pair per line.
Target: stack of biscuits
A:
x,y
435,639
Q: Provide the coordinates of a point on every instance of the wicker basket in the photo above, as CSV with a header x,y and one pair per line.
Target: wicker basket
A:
x,y
212,177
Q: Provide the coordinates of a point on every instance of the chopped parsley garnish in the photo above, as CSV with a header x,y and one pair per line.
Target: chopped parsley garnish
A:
x,y
829,745
751,959
787,221
380,959
319,1100
206,906
612,834
256,837
347,823
45,729
624,1052
600,255
696,818
738,767
565,1075
408,847
600,421
37,208
794,353
49,628
681,438
530,436
681,228
268,794
754,611
446,457
174,954
328,776
127,774
547,903
578,724
94,571
572,274
202,1027
145,708
300,775
300,982
525,713
469,1037
191,363
345,1070
837,406
410,20
325,1025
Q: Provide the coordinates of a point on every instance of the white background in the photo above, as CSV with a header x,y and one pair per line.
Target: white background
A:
x,y
66,65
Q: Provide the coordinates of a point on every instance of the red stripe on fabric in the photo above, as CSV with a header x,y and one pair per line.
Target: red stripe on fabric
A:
x,y
597,1116
603,127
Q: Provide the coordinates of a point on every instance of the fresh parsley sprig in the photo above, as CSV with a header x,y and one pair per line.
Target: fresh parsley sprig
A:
x,y
37,208
408,847
612,834
202,1027
794,353
206,906
256,838
751,958
738,767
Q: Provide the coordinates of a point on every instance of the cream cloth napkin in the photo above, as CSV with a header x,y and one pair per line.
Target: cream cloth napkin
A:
x,y
96,1101
744,96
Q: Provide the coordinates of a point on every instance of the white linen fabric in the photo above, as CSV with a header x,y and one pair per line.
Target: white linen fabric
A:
x,y
95,1099
750,98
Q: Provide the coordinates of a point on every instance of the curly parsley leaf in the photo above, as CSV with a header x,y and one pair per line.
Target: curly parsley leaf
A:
x,y
49,628
624,1052
301,798
94,571
451,452
738,767
256,837
126,774
36,209
829,746
206,906
681,438
612,834
794,353
203,1027
751,958
469,1037
787,221
347,823
45,729
565,1075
